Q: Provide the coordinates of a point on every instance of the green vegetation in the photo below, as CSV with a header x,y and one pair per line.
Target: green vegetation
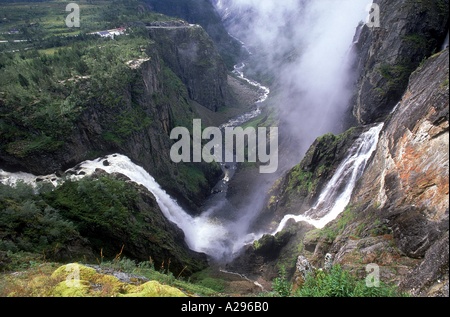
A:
x,y
281,285
43,24
341,283
192,177
97,206
47,93
418,41
207,279
301,181
319,162
29,224
56,73
397,75
332,231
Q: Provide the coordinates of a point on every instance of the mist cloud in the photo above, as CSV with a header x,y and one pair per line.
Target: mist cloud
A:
x,y
306,45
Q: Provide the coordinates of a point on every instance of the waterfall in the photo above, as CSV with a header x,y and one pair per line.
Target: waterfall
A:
x,y
203,233
206,233
312,79
445,44
336,195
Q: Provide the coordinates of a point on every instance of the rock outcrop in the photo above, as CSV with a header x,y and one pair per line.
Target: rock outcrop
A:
x,y
407,183
192,56
203,13
397,219
408,32
152,103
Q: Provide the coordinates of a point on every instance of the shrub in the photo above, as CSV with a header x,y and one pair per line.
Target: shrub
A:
x,y
341,283
281,284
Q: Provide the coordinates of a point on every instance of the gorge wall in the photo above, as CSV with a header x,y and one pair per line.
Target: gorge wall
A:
x,y
409,32
158,98
397,217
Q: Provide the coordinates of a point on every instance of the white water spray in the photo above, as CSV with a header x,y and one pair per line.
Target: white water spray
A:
x,y
203,233
336,195
206,233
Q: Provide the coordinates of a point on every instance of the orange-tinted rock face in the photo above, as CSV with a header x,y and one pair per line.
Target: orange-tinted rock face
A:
x,y
421,162
406,184
411,164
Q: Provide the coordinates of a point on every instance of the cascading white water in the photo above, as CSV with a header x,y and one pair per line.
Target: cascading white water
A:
x,y
219,237
203,234
336,195
206,233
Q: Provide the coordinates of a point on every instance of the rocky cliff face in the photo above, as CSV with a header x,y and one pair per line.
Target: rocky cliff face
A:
x,y
192,56
407,184
409,32
397,218
203,13
154,102
398,215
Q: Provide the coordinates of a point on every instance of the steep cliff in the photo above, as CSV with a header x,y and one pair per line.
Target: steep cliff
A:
x,y
193,57
118,104
203,13
397,218
408,32
406,186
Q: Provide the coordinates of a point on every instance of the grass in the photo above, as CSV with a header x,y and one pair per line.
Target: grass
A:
x,y
30,275
42,22
332,231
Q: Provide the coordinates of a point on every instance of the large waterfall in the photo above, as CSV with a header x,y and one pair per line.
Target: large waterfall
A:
x,y
337,194
206,233
308,63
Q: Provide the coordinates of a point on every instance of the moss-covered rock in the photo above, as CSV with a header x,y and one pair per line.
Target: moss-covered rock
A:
x,y
119,217
77,280
153,289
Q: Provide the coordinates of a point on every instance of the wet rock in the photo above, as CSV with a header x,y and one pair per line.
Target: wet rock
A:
x,y
409,32
430,277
